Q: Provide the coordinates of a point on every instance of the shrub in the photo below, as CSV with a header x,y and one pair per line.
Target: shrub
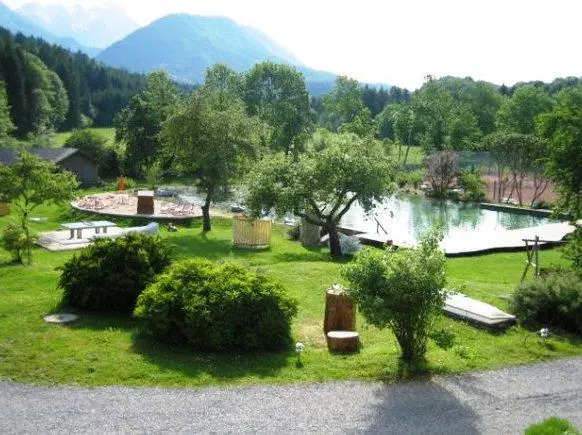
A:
x,y
93,145
217,308
551,300
552,426
294,233
473,185
573,251
15,241
110,274
401,290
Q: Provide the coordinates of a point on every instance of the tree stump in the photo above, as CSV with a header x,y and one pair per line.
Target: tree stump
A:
x,y
340,312
309,234
343,341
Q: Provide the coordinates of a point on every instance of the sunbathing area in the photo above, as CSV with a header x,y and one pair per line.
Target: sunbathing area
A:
x,y
136,205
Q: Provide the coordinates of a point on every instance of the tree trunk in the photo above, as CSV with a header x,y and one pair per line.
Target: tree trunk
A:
x,y
335,248
343,341
340,312
206,226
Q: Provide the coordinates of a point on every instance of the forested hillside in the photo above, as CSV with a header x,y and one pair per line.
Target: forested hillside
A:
x,y
50,88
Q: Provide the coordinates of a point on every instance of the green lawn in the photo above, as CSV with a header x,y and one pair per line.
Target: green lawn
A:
x,y
107,132
107,350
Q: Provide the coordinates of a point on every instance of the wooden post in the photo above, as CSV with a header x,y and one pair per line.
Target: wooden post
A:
x,y
340,312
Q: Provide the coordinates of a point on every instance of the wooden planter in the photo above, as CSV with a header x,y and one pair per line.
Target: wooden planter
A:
x,y
339,324
4,208
251,233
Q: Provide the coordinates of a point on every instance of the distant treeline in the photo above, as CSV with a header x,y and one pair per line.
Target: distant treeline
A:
x,y
50,88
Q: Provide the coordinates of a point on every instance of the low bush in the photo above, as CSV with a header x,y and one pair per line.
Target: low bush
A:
x,y
473,186
573,251
554,300
110,274
217,308
15,241
552,426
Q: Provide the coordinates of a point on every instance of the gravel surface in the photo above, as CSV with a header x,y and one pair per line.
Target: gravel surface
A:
x,y
501,401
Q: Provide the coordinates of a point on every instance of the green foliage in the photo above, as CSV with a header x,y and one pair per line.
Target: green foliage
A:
x,y
33,181
563,127
473,185
410,178
346,110
218,308
401,290
154,175
518,113
6,125
110,274
277,94
139,124
16,242
552,426
89,142
321,186
554,300
212,139
573,251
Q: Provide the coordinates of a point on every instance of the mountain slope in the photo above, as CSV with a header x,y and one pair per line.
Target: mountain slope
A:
x,y
186,45
95,27
17,23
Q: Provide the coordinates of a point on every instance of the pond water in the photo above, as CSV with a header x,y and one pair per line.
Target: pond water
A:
x,y
405,218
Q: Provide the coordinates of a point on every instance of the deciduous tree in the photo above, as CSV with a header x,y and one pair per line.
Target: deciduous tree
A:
x,y
321,186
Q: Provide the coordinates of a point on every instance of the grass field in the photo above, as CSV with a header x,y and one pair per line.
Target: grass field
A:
x,y
109,350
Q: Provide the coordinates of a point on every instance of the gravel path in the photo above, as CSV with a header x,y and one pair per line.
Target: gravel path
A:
x,y
500,401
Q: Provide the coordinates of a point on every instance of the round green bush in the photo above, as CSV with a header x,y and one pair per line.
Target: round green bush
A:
x,y
110,274
552,300
217,308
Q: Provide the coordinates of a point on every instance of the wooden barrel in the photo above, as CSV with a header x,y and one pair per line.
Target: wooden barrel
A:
x,y
251,233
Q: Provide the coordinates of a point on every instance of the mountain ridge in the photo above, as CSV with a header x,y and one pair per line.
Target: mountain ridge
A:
x,y
186,45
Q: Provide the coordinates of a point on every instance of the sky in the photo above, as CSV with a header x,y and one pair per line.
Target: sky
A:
x,y
401,42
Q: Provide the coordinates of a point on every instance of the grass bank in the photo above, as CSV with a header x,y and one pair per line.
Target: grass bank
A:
x,y
109,350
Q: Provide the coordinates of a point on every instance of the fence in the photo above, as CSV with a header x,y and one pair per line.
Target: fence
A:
x,y
251,233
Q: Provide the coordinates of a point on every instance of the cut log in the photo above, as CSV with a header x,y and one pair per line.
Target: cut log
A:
x,y
343,341
340,312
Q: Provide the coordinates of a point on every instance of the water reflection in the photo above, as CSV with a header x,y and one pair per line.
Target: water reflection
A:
x,y
407,217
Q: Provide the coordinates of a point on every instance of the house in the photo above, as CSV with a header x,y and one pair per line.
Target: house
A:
x,y
67,159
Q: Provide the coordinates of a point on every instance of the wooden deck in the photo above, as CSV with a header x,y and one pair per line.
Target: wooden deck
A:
x,y
478,242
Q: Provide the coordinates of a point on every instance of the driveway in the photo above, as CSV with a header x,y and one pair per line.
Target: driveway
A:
x,y
500,401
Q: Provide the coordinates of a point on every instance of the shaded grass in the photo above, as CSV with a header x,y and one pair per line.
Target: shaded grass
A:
x,y
105,350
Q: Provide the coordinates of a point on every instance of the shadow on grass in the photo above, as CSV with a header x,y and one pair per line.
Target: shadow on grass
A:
x,y
222,366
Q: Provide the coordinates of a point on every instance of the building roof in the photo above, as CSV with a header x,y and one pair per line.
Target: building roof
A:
x,y
9,156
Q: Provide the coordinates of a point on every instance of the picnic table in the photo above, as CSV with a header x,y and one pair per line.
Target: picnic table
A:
x,y
80,226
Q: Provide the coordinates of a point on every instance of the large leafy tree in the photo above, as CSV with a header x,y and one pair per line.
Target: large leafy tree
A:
x,y
432,105
401,290
215,142
345,108
563,127
321,186
518,113
277,94
33,181
139,124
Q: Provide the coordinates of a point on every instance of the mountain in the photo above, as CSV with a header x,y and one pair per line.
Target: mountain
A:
x,y
186,45
94,27
17,23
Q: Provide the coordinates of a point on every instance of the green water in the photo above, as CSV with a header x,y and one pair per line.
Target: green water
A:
x,y
412,215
